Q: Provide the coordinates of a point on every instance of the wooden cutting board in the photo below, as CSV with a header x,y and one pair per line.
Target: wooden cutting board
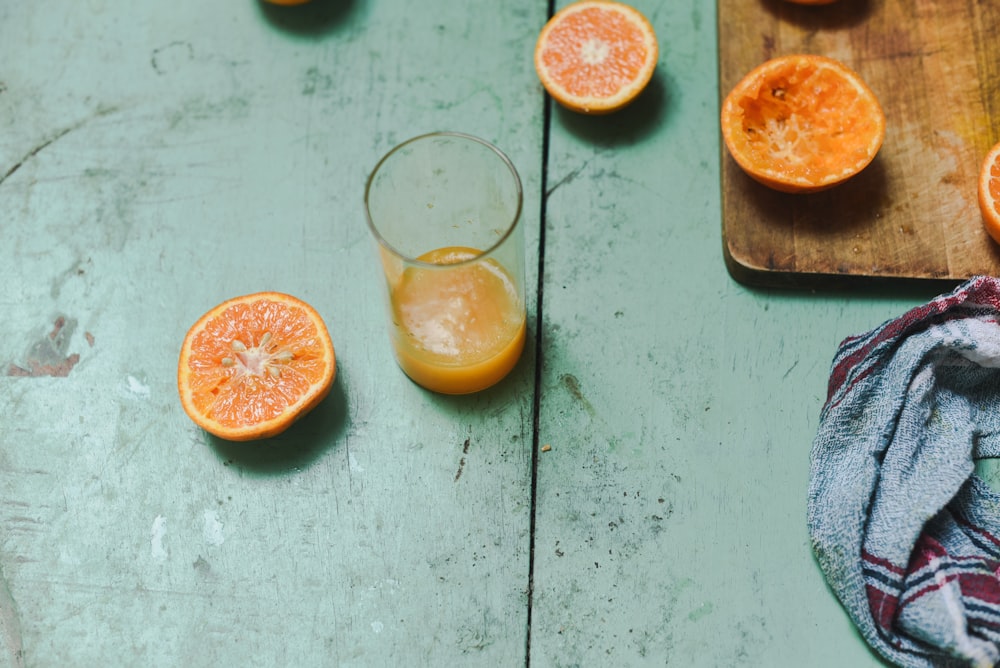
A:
x,y
913,212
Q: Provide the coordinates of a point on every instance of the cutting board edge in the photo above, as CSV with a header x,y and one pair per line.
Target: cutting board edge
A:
x,y
764,277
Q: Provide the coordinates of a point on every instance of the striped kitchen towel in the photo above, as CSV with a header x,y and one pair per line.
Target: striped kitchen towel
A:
x,y
906,534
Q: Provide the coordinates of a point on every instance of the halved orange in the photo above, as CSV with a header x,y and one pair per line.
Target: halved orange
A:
x,y
596,56
802,123
254,364
989,192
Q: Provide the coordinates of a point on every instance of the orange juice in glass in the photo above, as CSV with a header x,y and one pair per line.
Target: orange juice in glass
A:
x,y
445,209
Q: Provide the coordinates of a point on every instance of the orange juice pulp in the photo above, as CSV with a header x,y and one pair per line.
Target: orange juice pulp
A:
x,y
458,330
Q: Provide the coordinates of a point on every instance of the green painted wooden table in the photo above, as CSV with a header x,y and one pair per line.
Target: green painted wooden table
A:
x,y
157,158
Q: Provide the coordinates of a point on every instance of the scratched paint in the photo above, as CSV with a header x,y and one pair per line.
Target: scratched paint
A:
x,y
48,141
47,356
10,629
137,387
213,529
353,464
157,533
171,58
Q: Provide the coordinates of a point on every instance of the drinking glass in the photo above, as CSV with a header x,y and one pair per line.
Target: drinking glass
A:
x,y
445,211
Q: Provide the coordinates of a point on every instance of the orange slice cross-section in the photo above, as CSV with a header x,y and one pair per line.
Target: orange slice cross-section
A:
x,y
252,365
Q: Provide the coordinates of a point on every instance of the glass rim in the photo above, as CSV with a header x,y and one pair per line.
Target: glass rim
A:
x,y
458,135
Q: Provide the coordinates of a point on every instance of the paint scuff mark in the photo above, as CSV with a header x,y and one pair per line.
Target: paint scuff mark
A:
x,y
569,178
47,356
59,134
572,384
156,535
461,462
137,387
10,628
353,464
212,529
202,566
171,57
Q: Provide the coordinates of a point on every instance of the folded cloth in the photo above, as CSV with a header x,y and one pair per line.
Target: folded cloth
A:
x,y
906,534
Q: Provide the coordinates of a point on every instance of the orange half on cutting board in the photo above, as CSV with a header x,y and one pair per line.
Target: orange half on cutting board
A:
x,y
989,192
802,123
596,56
253,365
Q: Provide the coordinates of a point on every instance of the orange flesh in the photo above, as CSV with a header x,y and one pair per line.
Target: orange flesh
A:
x,y
807,123
253,362
989,192
995,187
594,53
458,330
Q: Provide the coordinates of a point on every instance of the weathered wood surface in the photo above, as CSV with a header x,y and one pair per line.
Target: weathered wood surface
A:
x,y
679,405
156,159
912,214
